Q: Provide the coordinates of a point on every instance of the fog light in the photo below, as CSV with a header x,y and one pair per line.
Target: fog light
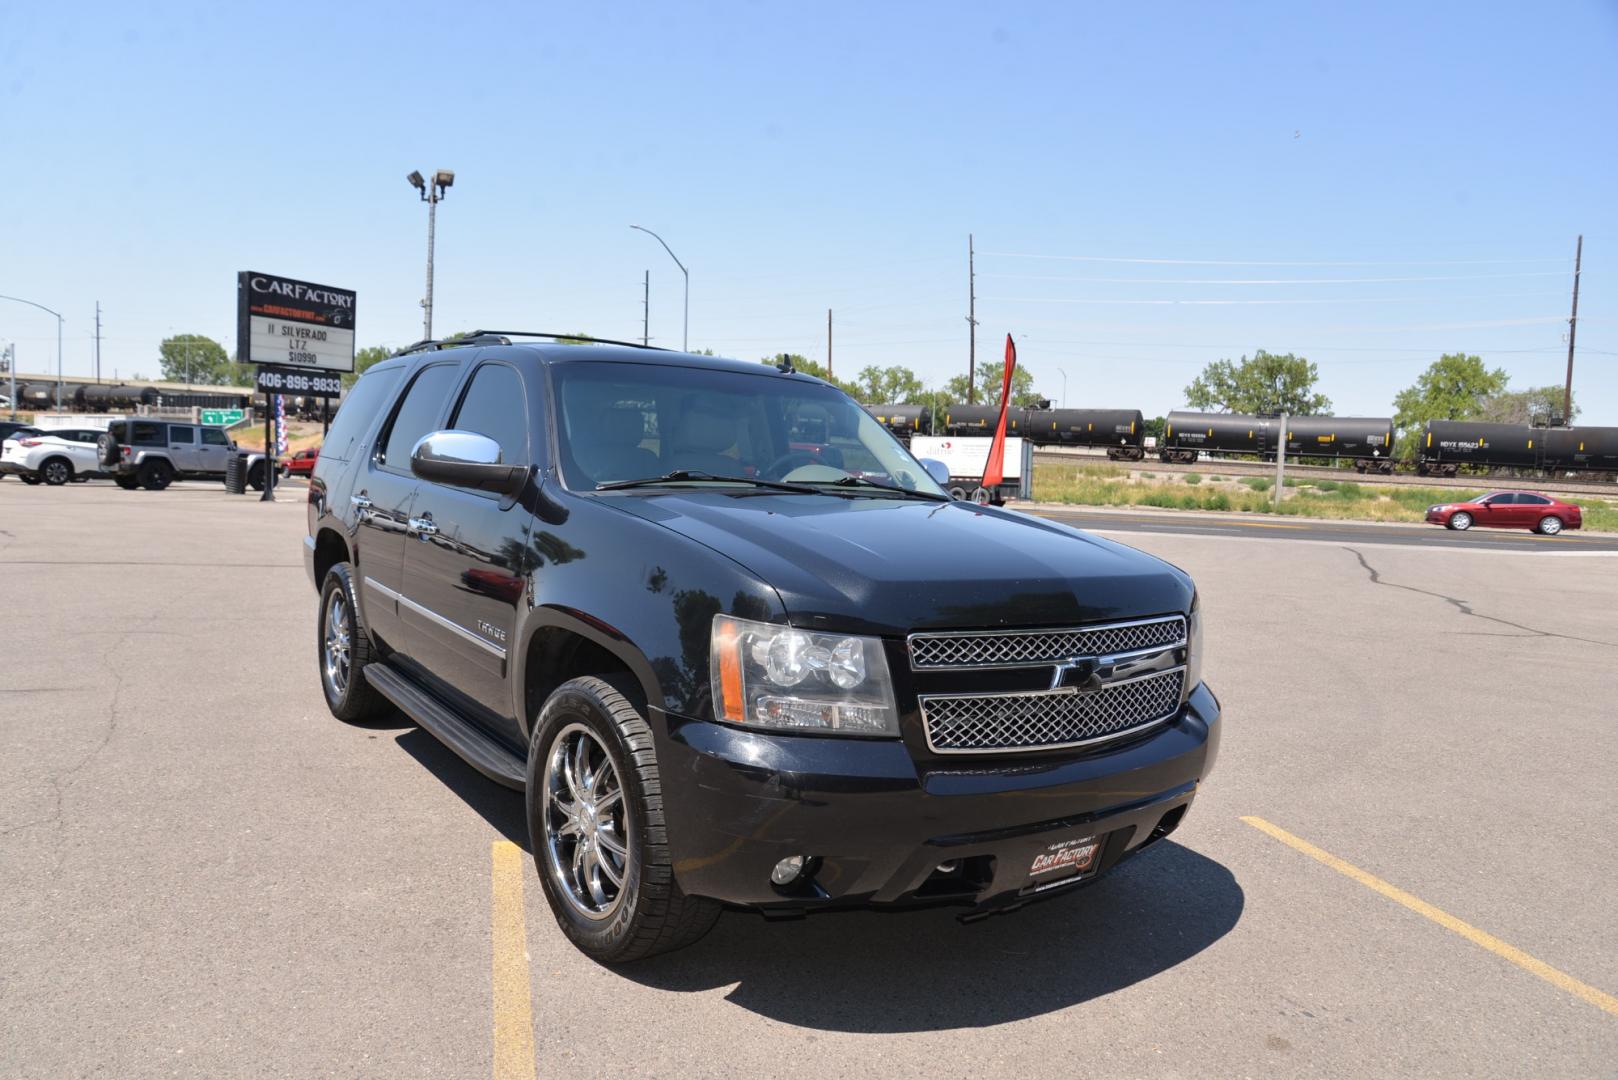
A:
x,y
947,867
787,870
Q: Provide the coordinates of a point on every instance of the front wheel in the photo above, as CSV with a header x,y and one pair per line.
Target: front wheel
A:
x,y
596,826
1461,521
1550,525
255,476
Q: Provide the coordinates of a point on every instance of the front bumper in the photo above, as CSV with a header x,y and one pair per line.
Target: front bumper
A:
x,y
877,825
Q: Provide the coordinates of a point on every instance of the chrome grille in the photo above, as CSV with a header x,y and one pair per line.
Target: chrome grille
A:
x,y
1026,648
1047,719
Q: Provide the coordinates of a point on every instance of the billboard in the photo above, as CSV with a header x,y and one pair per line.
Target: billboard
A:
x,y
966,455
293,324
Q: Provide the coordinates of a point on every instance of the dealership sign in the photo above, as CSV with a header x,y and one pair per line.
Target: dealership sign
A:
x,y
293,324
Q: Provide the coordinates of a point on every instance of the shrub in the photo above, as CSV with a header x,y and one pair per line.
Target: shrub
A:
x,y
1193,478
1258,483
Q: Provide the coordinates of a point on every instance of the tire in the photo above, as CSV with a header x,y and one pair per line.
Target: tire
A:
x,y
56,471
1549,525
155,474
343,659
106,449
647,913
255,476
128,483
29,480
1460,521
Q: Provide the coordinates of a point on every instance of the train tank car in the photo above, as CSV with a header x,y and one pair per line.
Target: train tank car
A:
x,y
1446,445
1121,431
980,420
1367,441
903,420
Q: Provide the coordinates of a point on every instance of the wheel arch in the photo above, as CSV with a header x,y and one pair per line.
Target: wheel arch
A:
x,y
330,549
563,645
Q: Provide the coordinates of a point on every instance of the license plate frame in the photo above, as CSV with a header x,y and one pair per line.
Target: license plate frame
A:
x,y
1065,862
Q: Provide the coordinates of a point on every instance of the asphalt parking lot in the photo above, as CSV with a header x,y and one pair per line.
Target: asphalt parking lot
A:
x,y
1401,865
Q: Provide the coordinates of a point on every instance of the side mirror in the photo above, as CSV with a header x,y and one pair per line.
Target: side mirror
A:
x,y
937,470
466,459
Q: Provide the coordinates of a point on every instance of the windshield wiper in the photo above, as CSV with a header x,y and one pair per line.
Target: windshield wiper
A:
x,y
680,475
860,481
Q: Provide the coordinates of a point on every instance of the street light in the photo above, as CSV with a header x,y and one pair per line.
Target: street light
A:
x,y
685,330
431,194
58,314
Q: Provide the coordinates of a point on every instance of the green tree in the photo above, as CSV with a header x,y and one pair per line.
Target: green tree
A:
x,y
364,358
1264,383
1537,404
802,363
1454,387
889,386
990,376
194,358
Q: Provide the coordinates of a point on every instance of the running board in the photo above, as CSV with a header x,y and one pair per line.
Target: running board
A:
x,y
477,749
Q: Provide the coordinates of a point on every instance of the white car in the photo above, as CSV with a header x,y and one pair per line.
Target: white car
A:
x,y
55,457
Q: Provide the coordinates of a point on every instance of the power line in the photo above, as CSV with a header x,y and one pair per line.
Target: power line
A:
x,y
1250,262
1215,302
1275,281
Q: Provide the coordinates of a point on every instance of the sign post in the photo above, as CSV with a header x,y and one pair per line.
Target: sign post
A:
x,y
300,335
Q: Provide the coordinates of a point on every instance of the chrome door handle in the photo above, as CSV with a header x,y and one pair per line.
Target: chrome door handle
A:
x,y
423,527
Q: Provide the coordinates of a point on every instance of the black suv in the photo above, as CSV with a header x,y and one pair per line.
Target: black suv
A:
x,y
737,645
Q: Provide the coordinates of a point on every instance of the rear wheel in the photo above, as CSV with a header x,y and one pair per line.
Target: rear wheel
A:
x,y
1550,525
56,471
1460,521
29,480
344,652
595,820
156,474
128,483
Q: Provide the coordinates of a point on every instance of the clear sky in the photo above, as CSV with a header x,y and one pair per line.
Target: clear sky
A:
x,y
1367,184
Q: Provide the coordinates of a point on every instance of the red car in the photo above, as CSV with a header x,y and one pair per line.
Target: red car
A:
x,y
1509,510
300,464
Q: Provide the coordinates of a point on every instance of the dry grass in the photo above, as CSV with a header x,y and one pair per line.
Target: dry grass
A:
x,y
1111,485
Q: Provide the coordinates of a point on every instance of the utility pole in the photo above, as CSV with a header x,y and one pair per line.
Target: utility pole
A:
x,y
972,323
646,309
432,192
11,366
1281,460
98,341
1572,329
828,344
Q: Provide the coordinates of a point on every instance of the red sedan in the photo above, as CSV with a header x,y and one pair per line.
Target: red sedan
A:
x,y
1509,510
300,464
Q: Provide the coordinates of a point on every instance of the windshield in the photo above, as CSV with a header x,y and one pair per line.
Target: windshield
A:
x,y
621,422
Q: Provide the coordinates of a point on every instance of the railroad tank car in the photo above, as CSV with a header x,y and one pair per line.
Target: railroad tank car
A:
x,y
1366,440
99,397
1446,445
1121,431
981,420
37,394
903,420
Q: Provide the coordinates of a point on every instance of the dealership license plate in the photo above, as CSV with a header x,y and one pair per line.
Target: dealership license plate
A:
x,y
1065,859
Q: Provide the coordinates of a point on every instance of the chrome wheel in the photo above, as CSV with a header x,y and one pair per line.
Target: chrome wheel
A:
x,y
335,651
1462,522
586,833
1551,526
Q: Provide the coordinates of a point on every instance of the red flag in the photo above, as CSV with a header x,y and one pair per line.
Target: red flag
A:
x,y
994,471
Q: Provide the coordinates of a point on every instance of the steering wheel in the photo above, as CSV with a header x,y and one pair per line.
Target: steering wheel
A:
x,y
787,462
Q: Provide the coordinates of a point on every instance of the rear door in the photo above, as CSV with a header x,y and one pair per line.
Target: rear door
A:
x,y
82,450
1530,508
382,497
465,572
183,447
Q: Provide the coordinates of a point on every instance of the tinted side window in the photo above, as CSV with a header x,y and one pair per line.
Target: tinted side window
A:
x,y
365,399
496,405
418,413
184,434
214,437
1532,500
149,434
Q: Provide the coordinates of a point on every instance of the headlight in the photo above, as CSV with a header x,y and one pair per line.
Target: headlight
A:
x,y
1193,658
770,676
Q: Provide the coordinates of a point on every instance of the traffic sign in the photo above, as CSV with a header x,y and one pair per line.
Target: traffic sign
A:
x,y
223,417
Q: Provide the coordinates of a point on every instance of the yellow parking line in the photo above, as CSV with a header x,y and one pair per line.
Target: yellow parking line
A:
x,y
1585,992
513,1008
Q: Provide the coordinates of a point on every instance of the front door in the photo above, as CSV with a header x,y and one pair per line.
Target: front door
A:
x,y
213,449
467,563
383,496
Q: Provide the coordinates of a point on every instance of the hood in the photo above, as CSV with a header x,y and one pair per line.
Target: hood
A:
x,y
890,566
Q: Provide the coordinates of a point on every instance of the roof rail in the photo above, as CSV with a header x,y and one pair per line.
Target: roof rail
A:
x,y
565,337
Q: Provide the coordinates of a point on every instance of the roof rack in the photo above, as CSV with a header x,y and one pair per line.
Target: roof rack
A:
x,y
503,337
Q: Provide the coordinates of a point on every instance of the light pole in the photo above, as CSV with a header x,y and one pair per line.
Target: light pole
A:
x,y
685,330
1062,373
431,193
58,314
